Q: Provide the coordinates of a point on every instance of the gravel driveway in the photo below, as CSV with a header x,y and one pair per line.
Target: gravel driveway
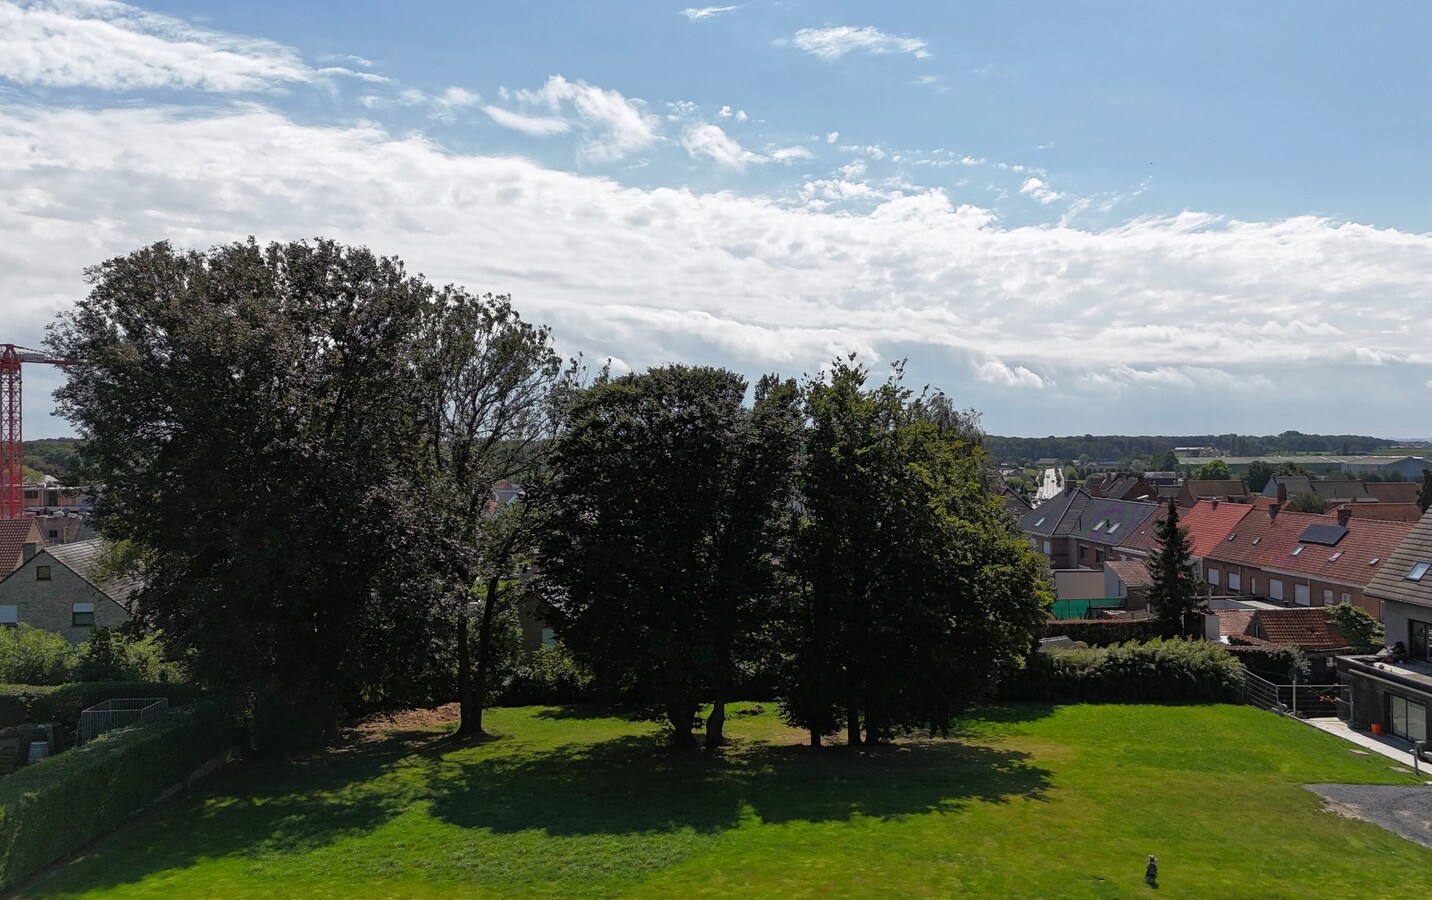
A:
x,y
1402,809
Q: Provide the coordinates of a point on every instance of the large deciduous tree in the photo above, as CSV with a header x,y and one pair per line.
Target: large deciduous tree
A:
x,y
668,501
492,389
252,414
918,591
1173,584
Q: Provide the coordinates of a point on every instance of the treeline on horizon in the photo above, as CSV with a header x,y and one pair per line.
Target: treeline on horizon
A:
x,y
57,456
1122,447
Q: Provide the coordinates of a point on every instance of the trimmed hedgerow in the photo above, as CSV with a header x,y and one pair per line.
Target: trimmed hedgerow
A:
x,y
49,810
62,703
1108,632
1158,670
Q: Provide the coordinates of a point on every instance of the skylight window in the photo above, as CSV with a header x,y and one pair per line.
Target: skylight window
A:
x,y
1256,540
1114,527
1418,570
1335,557
1298,549
1041,521
1100,526
1374,561
1234,536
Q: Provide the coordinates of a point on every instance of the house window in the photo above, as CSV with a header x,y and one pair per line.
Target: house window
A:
x,y
548,637
1098,556
1417,639
42,573
1275,589
9,616
1347,598
1083,553
1418,571
1235,581
1046,548
82,615
1327,597
1213,577
54,535
1408,718
1302,595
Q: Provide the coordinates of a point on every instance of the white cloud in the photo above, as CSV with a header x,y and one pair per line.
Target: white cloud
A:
x,y
998,372
1040,191
117,47
710,141
727,113
706,12
833,43
832,136
787,154
754,282
612,125
539,126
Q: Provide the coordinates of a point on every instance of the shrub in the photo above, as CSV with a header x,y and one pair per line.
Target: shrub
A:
x,y
1274,663
50,810
114,656
30,655
1155,671
62,703
550,676
1108,632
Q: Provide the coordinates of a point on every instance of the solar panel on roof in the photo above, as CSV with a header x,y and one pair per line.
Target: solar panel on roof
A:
x,y
1327,535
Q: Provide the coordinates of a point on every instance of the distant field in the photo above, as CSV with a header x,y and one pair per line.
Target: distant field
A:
x,y
1028,801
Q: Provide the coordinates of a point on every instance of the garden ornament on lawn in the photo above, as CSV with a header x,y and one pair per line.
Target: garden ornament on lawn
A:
x,y
1151,871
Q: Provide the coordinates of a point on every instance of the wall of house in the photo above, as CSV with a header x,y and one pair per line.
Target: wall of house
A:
x,y
1079,584
1395,617
1369,698
1255,582
50,604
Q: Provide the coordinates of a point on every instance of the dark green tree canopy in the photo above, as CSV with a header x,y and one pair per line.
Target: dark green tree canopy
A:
x,y
668,502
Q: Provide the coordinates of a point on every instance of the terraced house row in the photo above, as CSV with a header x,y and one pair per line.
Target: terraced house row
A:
x,y
1257,550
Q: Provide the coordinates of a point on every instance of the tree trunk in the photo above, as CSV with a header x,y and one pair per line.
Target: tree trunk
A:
x,y
815,737
852,721
681,715
468,718
484,654
716,722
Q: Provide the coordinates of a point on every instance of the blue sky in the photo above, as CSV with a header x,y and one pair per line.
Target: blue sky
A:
x,y
1099,217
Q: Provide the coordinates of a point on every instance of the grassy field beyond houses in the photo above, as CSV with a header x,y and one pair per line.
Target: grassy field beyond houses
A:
x,y
1027,801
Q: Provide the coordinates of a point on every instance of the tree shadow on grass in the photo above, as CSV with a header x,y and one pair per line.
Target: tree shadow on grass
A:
x,y
260,808
636,785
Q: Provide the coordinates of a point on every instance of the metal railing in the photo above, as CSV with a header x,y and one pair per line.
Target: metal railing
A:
x,y
1302,700
112,714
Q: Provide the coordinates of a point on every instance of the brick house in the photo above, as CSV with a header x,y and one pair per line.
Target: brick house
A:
x,y
1398,696
1303,560
1233,490
1209,522
1101,527
1048,525
62,589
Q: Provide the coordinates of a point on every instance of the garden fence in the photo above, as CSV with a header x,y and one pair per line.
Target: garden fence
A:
x,y
1303,700
112,714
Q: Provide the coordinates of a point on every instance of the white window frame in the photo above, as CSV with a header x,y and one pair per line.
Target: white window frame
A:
x,y
1235,581
1275,589
1213,577
1302,595
81,609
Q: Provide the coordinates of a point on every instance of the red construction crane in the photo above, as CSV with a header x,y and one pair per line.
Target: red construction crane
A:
x,y
12,448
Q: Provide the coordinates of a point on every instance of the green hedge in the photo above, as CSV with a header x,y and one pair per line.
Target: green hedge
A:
x,y
51,809
1108,632
62,703
1155,671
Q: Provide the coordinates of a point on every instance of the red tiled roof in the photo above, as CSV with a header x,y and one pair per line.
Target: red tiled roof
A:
x,y
1208,525
1305,627
1233,621
1267,543
1394,491
14,535
1131,572
1387,512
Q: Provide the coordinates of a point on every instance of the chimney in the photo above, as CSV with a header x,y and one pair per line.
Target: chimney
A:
x,y
1282,493
1213,502
31,548
1344,515
1273,509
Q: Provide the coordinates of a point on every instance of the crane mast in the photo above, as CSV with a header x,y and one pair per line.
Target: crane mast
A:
x,y
12,447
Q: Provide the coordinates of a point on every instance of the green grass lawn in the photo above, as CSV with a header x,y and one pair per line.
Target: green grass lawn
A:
x,y
1039,801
